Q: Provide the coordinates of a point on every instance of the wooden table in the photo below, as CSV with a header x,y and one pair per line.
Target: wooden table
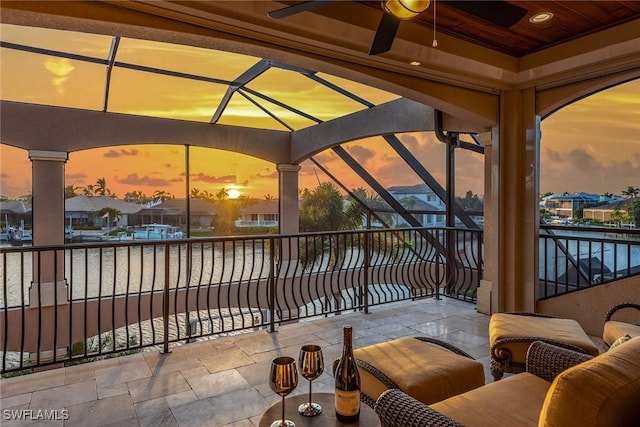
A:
x,y
368,416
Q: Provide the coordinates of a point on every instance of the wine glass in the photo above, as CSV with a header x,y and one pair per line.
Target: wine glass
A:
x,y
311,367
283,379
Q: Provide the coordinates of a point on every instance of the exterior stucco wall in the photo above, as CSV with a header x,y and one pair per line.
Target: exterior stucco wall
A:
x,y
589,307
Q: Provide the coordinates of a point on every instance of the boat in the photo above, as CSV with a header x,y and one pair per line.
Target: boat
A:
x,y
17,236
158,232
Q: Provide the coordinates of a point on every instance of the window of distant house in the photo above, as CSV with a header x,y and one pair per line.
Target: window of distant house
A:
x,y
254,217
270,217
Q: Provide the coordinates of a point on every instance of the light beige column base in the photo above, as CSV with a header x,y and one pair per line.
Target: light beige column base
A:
x,y
484,297
43,295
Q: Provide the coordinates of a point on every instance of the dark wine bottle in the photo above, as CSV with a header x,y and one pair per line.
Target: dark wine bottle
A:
x,y
347,382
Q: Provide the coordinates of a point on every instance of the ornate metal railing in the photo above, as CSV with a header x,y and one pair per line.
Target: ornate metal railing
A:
x,y
62,304
575,258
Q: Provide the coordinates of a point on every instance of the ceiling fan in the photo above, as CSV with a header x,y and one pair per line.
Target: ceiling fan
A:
x,y
497,12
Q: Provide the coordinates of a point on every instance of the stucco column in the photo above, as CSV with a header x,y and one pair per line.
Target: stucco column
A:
x,y
514,217
48,225
485,291
288,217
288,189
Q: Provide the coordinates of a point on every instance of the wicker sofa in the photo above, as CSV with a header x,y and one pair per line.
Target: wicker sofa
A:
x,y
560,387
615,328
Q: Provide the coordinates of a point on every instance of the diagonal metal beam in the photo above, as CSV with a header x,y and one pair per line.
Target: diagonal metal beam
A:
x,y
340,90
376,186
349,192
428,179
265,110
49,52
387,197
244,78
115,42
283,105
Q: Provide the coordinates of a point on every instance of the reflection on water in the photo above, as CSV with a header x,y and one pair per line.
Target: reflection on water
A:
x,y
589,250
94,272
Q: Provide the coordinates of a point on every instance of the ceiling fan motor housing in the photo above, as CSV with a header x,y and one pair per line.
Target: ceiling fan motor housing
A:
x,y
405,9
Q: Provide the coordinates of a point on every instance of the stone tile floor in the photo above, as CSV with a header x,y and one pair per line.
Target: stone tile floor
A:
x,y
223,382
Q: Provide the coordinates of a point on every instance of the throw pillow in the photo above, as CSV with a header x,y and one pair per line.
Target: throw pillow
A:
x,y
620,341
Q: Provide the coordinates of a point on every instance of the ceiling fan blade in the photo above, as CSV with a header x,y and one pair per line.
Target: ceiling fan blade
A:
x,y
497,12
385,34
297,8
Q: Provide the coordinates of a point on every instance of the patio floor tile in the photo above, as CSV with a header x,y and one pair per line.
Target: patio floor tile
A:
x,y
223,381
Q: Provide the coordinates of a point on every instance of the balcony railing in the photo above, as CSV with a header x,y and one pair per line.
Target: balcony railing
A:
x,y
80,301
574,258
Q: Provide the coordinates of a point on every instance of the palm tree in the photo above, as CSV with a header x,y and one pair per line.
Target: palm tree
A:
x,y
634,211
136,196
70,191
222,194
631,192
101,187
162,195
112,214
195,193
616,216
356,213
269,196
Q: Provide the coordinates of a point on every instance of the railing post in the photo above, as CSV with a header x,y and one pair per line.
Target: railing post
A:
x,y
437,297
272,285
364,291
480,257
165,302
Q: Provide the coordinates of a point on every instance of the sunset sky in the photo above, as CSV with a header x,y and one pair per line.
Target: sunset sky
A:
x,y
592,145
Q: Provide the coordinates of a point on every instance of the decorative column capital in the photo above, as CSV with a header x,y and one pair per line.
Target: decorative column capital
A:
x,y
50,156
284,167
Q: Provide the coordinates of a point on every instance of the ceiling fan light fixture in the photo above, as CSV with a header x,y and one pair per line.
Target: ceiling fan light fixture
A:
x,y
405,9
541,17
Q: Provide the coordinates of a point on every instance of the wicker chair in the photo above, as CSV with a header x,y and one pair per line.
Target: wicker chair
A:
x,y
559,387
397,409
614,329
511,334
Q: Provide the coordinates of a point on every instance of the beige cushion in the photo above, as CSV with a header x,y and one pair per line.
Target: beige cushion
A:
x,y
512,401
604,391
424,371
614,330
505,325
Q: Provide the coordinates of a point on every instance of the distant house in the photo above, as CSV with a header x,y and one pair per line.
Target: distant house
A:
x,y
422,199
83,210
174,212
564,205
603,213
15,212
264,213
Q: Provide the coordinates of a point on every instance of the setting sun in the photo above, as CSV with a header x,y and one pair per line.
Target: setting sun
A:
x,y
234,194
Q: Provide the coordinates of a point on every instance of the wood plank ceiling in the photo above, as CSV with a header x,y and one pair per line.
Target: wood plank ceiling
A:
x,y
572,19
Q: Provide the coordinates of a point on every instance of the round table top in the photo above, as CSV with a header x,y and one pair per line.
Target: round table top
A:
x,y
368,416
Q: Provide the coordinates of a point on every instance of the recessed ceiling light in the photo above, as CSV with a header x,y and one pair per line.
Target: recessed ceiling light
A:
x,y
415,63
541,17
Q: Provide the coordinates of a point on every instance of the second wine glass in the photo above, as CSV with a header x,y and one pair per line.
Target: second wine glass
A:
x,y
311,367
283,379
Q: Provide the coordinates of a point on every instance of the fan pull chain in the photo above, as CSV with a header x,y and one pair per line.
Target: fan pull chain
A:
x,y
434,43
